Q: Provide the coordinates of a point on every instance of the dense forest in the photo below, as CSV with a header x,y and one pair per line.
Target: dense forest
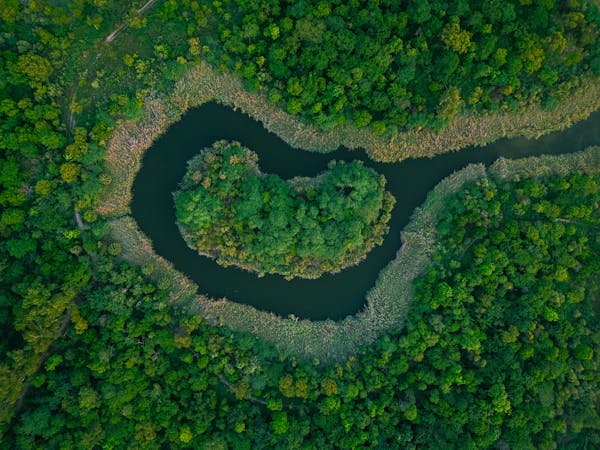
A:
x,y
500,349
93,352
228,209
406,64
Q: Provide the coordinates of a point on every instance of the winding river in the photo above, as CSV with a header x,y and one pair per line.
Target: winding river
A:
x,y
331,296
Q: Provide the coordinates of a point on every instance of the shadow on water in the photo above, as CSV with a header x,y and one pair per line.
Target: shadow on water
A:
x,y
331,296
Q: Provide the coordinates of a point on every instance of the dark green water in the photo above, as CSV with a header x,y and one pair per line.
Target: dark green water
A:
x,y
331,296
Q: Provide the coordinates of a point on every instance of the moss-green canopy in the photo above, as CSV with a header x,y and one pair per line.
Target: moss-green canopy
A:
x,y
229,210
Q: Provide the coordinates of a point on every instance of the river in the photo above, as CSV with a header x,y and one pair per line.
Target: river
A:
x,y
331,296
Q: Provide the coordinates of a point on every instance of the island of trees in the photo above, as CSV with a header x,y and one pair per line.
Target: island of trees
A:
x,y
501,342
304,227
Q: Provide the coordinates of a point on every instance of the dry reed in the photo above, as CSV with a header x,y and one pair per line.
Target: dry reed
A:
x,y
388,301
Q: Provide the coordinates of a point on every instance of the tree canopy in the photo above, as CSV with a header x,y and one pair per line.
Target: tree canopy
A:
x,y
389,64
502,342
228,209
500,349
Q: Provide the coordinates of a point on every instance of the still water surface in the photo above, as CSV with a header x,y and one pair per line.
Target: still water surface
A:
x,y
331,296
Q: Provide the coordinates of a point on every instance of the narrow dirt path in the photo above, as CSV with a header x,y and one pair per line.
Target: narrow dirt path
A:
x,y
71,118
70,126
121,27
231,389
79,221
61,330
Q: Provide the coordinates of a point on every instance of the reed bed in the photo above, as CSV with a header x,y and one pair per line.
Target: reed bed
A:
x,y
201,84
124,153
388,301
586,161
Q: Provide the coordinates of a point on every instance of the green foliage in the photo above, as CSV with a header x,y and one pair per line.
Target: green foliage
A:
x,y
383,62
502,343
42,267
229,210
455,38
504,318
501,347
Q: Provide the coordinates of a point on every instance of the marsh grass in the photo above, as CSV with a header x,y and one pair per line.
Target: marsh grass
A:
x,y
201,84
388,301
124,154
586,161
476,129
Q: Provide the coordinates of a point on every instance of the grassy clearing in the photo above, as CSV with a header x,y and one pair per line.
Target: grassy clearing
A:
x,y
387,303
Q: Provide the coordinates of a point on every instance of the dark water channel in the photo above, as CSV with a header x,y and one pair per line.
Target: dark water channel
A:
x,y
331,296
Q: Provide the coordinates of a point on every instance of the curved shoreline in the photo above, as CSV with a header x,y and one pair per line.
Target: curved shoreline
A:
x,y
387,301
202,84
306,267
463,131
330,341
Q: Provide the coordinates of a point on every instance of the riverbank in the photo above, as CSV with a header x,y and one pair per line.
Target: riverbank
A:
x,y
465,130
386,304
202,84
303,227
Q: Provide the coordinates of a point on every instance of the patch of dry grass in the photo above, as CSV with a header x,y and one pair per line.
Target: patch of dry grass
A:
x,y
124,154
388,301
586,161
202,84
